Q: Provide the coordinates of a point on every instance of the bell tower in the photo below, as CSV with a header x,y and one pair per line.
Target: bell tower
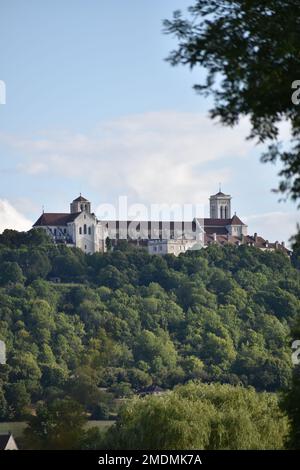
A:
x,y
80,204
220,206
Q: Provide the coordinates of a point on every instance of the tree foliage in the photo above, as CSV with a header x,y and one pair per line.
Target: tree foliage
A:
x,y
216,315
202,416
250,52
58,425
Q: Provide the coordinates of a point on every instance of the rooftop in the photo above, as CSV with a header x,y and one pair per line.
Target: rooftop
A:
x,y
80,199
4,439
52,219
220,194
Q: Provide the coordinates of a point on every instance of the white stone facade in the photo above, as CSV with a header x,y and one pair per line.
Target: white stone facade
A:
x,y
174,247
80,228
220,206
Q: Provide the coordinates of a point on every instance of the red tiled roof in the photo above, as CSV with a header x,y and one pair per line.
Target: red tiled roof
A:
x,y
217,230
255,241
236,221
215,222
52,219
222,239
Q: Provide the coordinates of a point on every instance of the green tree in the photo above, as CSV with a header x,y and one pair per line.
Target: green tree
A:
x,y
3,404
35,264
201,417
57,425
68,264
18,399
11,273
157,350
92,439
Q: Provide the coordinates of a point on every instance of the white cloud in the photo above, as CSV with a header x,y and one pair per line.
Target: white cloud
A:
x,y
165,157
12,219
274,225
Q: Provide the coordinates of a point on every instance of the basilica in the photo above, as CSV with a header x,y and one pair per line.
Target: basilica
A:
x,y
80,228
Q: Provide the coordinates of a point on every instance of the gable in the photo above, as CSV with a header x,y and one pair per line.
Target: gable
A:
x,y
7,442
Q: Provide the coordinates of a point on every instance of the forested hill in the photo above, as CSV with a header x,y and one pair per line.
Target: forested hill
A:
x,y
124,320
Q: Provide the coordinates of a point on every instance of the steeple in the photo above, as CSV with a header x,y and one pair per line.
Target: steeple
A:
x,y
80,204
220,205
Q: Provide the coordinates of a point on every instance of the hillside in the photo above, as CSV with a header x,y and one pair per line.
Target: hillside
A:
x,y
120,321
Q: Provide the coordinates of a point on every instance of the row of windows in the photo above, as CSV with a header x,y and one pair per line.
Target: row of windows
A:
x,y
85,230
54,231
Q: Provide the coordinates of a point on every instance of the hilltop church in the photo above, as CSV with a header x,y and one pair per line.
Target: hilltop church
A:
x,y
80,228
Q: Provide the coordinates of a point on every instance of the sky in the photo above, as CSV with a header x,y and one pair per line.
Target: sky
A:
x,y
93,107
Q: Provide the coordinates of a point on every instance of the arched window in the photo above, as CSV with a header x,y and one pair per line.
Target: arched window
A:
x,y
84,229
226,210
90,230
221,212
80,231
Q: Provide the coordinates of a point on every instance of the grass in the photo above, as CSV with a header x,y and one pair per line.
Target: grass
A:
x,y
16,428
99,424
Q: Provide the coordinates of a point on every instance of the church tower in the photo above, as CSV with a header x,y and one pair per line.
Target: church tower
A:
x,y
80,204
220,206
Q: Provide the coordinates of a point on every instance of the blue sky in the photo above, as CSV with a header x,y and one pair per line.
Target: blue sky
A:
x,y
92,106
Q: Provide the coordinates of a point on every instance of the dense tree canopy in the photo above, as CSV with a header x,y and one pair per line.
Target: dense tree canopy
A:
x,y
124,320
